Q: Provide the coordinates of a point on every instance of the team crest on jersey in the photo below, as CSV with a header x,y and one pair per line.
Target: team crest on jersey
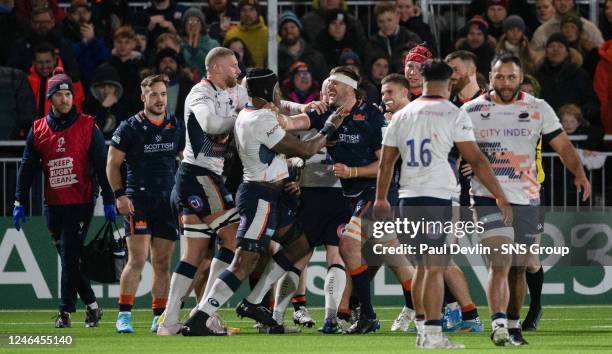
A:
x,y
479,108
195,202
158,138
359,116
536,115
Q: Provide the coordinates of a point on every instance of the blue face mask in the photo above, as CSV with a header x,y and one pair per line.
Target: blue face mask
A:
x,y
5,9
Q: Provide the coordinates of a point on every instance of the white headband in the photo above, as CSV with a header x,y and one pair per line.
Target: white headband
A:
x,y
344,79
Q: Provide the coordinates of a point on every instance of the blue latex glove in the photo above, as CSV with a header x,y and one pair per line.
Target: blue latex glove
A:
x,y
110,213
19,214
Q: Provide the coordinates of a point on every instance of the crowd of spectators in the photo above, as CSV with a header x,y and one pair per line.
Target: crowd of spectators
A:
x,y
106,46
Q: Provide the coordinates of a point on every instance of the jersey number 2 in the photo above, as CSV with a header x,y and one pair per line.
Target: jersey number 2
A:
x,y
424,153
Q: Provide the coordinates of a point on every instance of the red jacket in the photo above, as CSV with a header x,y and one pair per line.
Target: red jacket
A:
x,y
35,82
603,85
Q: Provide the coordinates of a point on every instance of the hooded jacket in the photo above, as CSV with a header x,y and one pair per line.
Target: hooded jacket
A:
x,y
603,85
314,22
107,118
255,37
313,58
391,45
332,49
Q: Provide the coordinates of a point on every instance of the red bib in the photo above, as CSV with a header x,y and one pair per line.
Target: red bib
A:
x,y
65,160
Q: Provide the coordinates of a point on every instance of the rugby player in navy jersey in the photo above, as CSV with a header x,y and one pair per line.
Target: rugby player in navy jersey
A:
x,y
262,146
149,143
355,153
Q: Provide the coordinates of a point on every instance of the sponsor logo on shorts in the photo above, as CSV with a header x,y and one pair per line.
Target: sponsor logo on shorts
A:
x,y
269,232
195,202
140,225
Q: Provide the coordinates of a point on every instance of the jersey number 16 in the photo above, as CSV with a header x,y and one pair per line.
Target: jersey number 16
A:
x,y
424,153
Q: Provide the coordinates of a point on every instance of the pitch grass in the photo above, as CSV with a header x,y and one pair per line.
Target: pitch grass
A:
x,y
577,329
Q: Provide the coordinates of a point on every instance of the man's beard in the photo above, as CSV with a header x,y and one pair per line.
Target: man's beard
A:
x,y
501,97
171,74
291,41
460,84
231,82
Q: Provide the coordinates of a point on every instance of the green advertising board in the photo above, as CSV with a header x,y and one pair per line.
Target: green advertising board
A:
x,y
30,268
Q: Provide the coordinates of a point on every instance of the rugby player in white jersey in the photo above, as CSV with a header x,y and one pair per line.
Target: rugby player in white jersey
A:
x,y
262,146
395,93
423,133
211,108
508,124
322,212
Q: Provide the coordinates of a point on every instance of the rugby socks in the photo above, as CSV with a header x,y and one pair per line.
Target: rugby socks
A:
x,y
499,319
286,287
126,302
361,287
407,290
276,268
535,281
222,290
514,321
432,327
419,321
469,312
335,282
223,258
93,306
158,305
297,301
179,285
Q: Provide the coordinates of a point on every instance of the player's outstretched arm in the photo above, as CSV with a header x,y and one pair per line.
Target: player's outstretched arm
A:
x,y
482,169
570,159
295,122
293,147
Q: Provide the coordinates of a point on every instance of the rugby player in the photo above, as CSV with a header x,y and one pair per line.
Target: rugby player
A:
x,y
149,142
433,125
508,124
355,155
260,199
322,211
395,93
207,207
412,69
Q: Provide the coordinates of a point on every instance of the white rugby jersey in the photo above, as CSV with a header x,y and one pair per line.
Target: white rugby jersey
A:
x,y
508,135
210,114
424,132
257,131
319,169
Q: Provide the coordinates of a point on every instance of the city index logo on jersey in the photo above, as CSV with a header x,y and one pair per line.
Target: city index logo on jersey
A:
x,y
359,116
